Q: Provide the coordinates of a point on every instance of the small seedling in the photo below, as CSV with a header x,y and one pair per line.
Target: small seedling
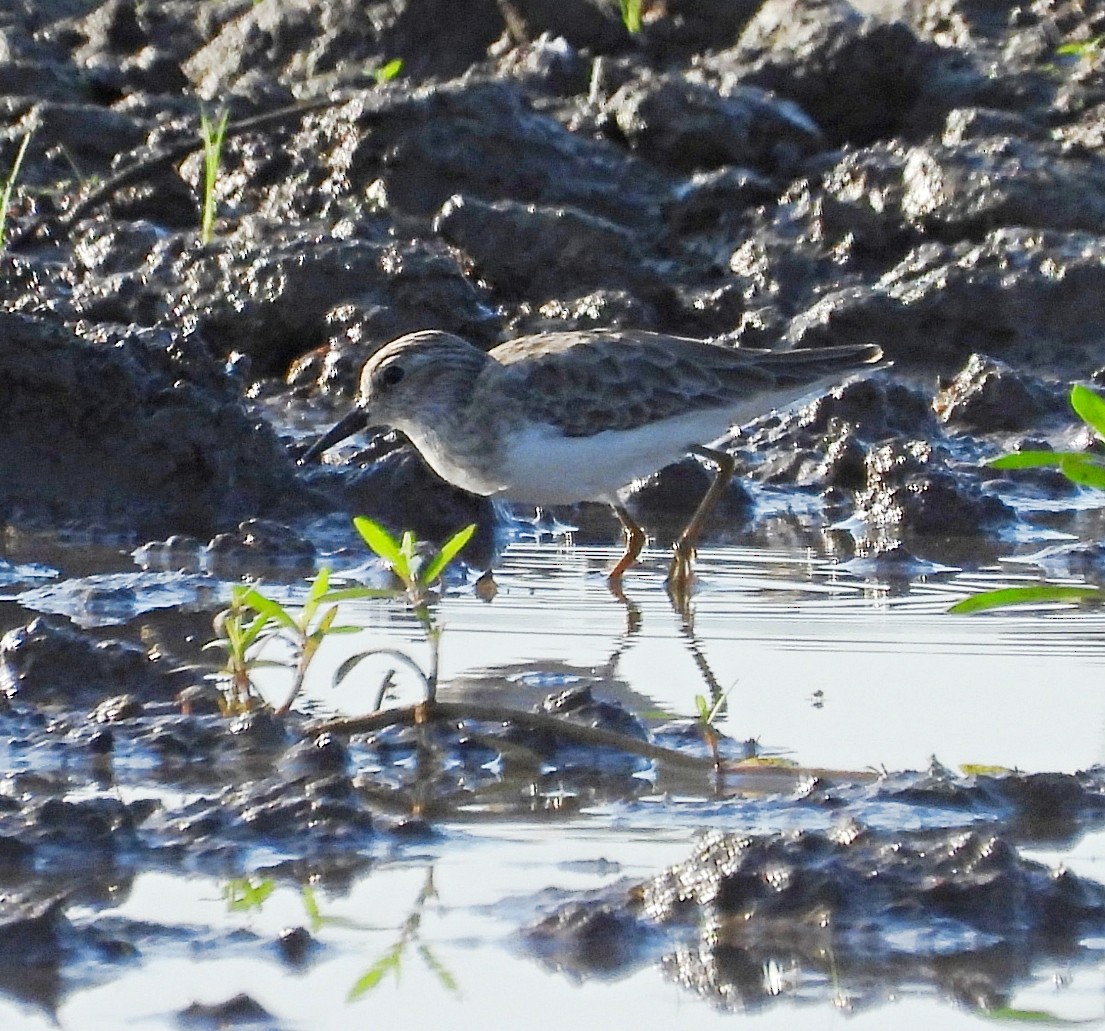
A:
x,y
9,186
416,576
708,714
387,72
212,132
239,631
252,620
631,15
1082,467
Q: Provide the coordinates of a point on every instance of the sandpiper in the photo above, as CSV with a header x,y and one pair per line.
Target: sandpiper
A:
x,y
558,418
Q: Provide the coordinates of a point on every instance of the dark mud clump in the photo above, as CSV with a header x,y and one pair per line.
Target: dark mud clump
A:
x,y
863,913
764,174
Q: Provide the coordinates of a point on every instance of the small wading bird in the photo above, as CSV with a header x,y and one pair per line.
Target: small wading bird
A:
x,y
558,418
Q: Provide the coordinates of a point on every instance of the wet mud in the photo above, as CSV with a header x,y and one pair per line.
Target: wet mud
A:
x,y
924,176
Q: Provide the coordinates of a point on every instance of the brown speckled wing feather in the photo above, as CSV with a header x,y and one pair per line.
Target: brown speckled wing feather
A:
x,y
621,379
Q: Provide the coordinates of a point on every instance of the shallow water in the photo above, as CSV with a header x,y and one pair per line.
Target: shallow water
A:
x,y
827,666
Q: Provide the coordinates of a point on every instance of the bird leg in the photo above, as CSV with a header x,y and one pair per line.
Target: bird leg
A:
x,y
634,542
680,573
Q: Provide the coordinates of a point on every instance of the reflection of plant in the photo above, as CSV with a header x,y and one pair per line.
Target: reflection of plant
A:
x,y
212,133
416,576
391,962
1085,468
245,893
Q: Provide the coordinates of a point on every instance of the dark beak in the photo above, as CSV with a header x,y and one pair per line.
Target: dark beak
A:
x,y
354,422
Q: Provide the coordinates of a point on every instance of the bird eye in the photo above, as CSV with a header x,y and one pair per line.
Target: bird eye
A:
x,y
391,375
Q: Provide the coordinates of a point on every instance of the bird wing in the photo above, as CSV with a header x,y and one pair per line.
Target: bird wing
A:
x,y
588,381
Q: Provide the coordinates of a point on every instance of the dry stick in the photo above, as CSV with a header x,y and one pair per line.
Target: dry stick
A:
x,y
414,715
147,166
423,712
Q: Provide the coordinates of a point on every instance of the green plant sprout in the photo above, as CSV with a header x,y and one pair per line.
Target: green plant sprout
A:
x,y
1082,467
252,620
707,716
9,186
212,132
388,71
1084,48
239,630
416,576
631,15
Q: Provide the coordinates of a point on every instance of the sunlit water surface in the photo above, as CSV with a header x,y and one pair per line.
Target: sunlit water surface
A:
x,y
828,667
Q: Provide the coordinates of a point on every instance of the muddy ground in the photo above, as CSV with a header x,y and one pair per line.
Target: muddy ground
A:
x,y
930,179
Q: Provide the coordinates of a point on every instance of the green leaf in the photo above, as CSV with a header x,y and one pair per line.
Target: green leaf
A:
x,y
1085,470
245,636
1031,460
390,961
449,551
379,540
327,620
320,585
1035,595
269,608
387,72
1090,406
405,569
310,904
267,664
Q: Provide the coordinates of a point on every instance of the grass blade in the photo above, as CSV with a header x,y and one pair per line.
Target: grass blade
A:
x,y
1040,593
390,962
1030,460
